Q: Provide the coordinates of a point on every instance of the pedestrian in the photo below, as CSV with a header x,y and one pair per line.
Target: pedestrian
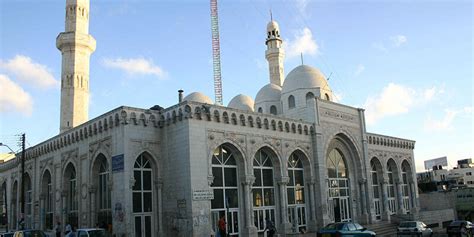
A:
x,y
463,230
21,224
57,229
68,230
222,226
270,227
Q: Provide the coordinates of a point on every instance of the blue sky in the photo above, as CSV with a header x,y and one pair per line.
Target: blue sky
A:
x,y
408,63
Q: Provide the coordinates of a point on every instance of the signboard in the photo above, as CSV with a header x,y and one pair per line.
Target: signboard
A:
x,y
443,161
203,194
117,163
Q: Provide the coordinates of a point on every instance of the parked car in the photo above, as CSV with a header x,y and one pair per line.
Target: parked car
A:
x,y
416,228
454,228
29,233
344,229
90,232
9,234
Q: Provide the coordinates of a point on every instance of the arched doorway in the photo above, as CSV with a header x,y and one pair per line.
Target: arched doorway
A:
x,y
391,191
101,173
376,173
338,185
225,188
70,186
143,196
47,201
296,192
263,189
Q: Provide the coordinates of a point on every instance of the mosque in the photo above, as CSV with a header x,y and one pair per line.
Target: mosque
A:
x,y
292,155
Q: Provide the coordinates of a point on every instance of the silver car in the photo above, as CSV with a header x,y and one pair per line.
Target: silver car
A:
x,y
413,228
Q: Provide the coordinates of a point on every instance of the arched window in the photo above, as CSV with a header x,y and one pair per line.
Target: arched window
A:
x,y
327,96
225,188
143,196
273,110
47,190
104,198
291,101
405,186
338,184
263,190
391,168
295,192
374,170
309,97
260,110
72,203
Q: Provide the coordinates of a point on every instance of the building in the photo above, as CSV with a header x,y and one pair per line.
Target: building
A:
x,y
440,178
293,155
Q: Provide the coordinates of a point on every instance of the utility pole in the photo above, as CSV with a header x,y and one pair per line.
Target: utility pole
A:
x,y
22,195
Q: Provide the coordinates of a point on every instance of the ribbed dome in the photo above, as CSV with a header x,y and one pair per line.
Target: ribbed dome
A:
x,y
242,102
269,92
304,77
198,97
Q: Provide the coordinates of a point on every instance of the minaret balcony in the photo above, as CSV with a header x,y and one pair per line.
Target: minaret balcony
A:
x,y
74,40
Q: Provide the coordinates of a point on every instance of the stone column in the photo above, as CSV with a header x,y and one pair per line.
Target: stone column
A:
x,y
385,212
249,228
363,196
312,220
401,208
64,208
93,208
284,225
159,188
42,212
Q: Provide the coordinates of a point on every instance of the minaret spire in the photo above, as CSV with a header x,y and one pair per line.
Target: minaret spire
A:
x,y
274,53
76,46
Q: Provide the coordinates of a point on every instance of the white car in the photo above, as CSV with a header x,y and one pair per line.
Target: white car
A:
x,y
91,232
413,228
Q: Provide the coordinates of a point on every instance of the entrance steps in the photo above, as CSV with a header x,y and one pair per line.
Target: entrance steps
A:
x,y
385,229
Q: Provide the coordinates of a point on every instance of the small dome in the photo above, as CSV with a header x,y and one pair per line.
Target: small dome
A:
x,y
198,97
305,77
272,25
242,102
269,92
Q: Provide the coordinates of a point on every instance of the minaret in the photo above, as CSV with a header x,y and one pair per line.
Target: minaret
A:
x,y
76,46
274,53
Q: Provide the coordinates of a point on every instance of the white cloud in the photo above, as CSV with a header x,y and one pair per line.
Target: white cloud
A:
x,y
360,68
398,40
443,124
13,98
396,99
303,42
380,47
301,6
135,66
28,71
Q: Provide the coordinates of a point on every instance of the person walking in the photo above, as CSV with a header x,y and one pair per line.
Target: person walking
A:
x,y
270,227
57,229
222,226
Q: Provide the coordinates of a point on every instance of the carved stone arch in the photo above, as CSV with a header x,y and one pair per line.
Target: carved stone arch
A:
x,y
217,116
348,149
305,158
197,112
311,130
70,163
305,129
287,127
259,122
345,136
133,118
168,118
240,159
180,114
174,116
188,112
206,111
280,126
116,120
100,126
155,159
293,128
273,122
275,157
250,120
242,119
300,129
265,123
124,116
162,121
153,121
143,119
45,171
225,117
233,119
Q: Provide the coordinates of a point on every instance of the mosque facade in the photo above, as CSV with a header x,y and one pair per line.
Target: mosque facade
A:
x,y
292,155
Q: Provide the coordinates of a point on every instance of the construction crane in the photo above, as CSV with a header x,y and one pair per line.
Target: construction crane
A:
x,y
216,53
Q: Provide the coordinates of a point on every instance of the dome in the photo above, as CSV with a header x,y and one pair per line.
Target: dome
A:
x,y
242,102
305,77
272,25
269,92
198,97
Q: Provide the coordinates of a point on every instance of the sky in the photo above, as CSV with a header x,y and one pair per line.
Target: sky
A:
x,y
409,64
